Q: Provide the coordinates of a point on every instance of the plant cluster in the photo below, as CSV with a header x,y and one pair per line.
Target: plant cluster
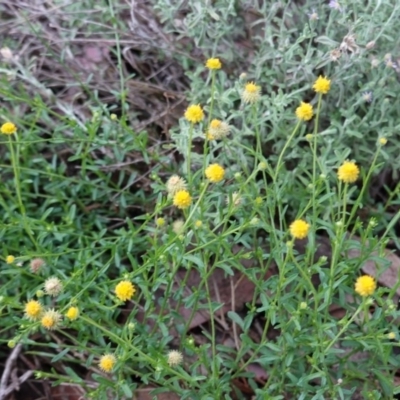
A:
x,y
107,271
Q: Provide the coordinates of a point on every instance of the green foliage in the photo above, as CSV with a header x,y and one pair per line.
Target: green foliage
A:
x,y
84,194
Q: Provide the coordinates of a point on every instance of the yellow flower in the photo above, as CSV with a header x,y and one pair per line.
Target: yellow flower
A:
x,y
299,229
175,184
251,93
160,222
174,358
258,200
10,259
218,130
125,290
182,199
107,362
382,141
322,85
365,285
348,172
194,113
72,313
391,335
215,173
33,310
198,224
304,111
51,319
213,63
8,128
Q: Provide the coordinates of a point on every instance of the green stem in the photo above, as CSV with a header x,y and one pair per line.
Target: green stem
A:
x,y
278,165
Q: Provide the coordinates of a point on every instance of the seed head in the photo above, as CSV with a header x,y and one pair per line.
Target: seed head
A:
x,y
251,93
107,362
174,184
174,358
218,130
37,264
53,286
51,319
177,226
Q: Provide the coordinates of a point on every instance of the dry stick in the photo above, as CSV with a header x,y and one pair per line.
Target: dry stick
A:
x,y
7,370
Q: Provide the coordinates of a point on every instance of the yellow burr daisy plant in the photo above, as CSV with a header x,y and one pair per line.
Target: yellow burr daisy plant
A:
x,y
322,85
305,111
365,285
107,362
348,172
33,310
194,114
8,128
125,290
299,229
215,173
251,93
182,199
213,63
72,313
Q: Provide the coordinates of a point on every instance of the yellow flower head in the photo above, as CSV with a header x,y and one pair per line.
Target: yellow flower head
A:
x,y
174,358
215,173
51,319
194,113
125,290
10,259
258,200
160,222
198,224
8,128
299,229
304,111
391,335
382,141
182,199
175,184
365,285
107,362
53,286
218,130
322,85
348,172
213,63
33,310
251,93
72,313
